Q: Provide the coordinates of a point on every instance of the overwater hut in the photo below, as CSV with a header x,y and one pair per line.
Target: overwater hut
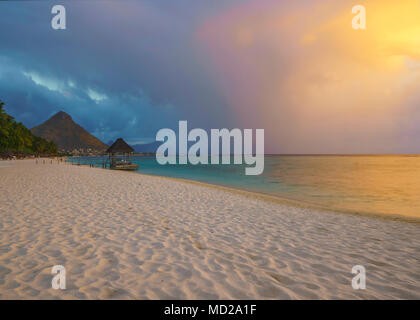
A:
x,y
119,156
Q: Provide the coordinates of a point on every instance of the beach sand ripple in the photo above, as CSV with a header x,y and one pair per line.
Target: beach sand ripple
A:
x,y
124,235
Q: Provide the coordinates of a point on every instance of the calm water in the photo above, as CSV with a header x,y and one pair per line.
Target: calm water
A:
x,y
374,184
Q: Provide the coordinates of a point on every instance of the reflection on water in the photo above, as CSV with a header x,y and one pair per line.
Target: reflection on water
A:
x,y
376,184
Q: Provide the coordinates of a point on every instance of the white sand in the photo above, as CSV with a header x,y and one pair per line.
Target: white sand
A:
x,y
129,236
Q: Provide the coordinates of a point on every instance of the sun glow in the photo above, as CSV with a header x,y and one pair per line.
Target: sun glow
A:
x,y
307,63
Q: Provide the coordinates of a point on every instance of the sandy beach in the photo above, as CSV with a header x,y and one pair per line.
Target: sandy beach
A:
x,y
123,235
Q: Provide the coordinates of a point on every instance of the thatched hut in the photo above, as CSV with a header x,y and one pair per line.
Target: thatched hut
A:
x,y
119,156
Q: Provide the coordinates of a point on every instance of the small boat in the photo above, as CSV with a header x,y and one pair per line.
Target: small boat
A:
x,y
124,165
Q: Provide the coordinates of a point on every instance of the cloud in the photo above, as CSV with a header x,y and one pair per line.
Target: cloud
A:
x,y
96,96
115,62
50,84
312,82
294,68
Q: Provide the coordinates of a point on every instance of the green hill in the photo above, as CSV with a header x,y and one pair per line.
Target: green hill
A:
x,y
15,137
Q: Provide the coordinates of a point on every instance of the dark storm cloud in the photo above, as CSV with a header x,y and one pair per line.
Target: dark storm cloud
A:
x,y
120,69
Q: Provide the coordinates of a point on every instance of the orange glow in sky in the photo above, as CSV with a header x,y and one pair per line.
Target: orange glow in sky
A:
x,y
346,89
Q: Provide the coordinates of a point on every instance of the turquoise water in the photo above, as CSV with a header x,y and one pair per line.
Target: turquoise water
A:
x,y
371,184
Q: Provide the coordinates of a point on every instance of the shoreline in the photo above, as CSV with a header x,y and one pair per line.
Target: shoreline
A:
x,y
284,201
296,203
135,236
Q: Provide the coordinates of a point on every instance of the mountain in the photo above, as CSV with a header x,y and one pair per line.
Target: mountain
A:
x,y
67,134
147,147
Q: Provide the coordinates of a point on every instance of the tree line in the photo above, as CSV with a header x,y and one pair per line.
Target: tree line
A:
x,y
15,137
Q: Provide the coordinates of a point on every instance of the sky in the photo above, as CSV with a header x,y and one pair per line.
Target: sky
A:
x,y
296,69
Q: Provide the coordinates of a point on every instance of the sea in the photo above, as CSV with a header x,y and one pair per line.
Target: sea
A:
x,y
372,184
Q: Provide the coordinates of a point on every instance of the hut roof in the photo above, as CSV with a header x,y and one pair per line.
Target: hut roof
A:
x,y
120,146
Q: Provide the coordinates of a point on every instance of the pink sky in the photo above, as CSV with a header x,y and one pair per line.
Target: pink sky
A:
x,y
301,72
